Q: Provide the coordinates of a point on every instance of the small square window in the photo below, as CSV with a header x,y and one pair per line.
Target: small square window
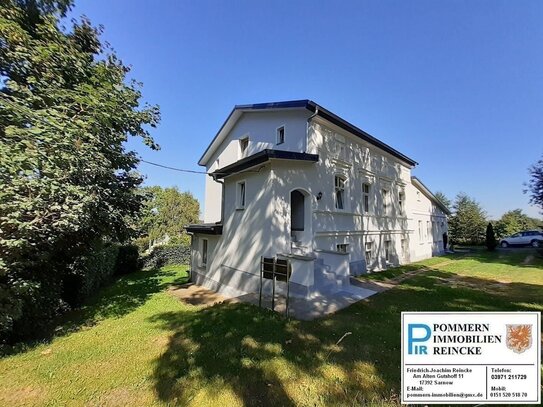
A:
x,y
243,144
342,248
281,135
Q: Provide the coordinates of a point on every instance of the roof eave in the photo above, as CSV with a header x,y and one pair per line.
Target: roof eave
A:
x,y
430,195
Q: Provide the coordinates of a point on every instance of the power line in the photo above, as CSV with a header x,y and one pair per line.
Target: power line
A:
x,y
174,169
200,172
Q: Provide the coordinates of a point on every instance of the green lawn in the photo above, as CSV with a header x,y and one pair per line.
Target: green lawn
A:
x,y
137,345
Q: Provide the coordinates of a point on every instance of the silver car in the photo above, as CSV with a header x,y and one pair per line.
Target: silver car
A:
x,y
533,238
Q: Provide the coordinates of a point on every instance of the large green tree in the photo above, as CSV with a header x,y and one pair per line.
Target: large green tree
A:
x,y
443,198
515,221
468,222
66,178
166,213
535,185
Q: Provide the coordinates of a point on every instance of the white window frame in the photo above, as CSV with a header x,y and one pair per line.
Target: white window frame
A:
x,y
278,135
204,252
370,251
342,247
366,197
340,147
401,202
429,231
243,141
405,248
385,198
344,192
241,194
421,234
388,247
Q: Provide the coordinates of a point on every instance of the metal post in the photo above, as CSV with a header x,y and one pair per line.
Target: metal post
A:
x,y
288,284
261,272
273,286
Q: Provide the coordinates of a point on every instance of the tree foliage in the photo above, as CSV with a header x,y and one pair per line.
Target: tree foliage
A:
x,y
443,198
166,213
515,221
468,222
535,185
66,179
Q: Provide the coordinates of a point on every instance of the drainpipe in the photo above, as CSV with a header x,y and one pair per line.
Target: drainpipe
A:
x,y
222,195
308,120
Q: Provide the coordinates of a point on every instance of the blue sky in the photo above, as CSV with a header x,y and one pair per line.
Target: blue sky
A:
x,y
456,85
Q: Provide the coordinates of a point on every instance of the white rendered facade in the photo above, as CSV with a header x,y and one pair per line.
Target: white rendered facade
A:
x,y
345,205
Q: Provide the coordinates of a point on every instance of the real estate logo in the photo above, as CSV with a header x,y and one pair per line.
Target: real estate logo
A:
x,y
519,337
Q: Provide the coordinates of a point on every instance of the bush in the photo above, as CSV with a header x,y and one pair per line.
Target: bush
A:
x,y
169,254
127,259
90,272
490,238
40,304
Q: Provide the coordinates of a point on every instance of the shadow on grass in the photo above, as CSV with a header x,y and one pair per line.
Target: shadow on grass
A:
x,y
119,298
265,359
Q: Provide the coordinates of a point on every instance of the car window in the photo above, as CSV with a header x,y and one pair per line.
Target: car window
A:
x,y
516,235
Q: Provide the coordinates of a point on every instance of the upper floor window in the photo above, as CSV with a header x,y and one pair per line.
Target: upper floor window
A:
x,y
401,202
281,135
386,202
366,197
342,248
339,187
243,144
241,195
339,147
418,196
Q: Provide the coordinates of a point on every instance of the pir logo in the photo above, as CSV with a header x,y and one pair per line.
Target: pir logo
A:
x,y
519,337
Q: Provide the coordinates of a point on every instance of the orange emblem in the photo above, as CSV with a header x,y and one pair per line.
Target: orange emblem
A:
x,y
519,337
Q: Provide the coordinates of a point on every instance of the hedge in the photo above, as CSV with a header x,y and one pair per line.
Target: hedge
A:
x,y
44,298
164,255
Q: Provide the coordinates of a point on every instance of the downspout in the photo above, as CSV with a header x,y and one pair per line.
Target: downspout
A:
x,y
222,196
307,130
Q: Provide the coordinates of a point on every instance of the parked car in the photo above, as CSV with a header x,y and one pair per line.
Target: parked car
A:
x,y
532,238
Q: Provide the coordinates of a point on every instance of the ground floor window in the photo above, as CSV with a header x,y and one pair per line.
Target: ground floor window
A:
x,y
368,252
388,249
204,252
405,249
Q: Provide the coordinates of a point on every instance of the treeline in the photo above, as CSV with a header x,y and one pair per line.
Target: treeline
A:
x,y
469,221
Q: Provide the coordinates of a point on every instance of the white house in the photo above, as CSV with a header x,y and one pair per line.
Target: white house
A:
x,y
292,179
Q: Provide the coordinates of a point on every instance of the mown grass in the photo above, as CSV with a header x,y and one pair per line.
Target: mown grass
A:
x,y
137,345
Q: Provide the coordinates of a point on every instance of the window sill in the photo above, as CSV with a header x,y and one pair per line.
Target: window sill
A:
x,y
331,252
